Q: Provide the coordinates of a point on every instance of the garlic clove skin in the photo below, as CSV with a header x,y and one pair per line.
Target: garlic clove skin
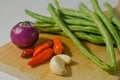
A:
x,y
65,58
57,65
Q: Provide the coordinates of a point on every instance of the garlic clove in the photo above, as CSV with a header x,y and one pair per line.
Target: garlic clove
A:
x,y
65,58
57,65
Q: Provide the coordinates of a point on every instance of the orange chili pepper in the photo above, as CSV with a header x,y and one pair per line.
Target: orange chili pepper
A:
x,y
27,53
42,57
42,46
57,46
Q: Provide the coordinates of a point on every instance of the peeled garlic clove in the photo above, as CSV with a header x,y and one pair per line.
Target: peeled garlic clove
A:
x,y
65,58
57,65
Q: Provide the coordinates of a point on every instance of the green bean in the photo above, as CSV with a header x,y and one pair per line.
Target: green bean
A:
x,y
39,17
97,39
43,24
105,34
79,31
48,29
73,28
74,13
93,38
110,9
71,12
76,21
50,20
107,23
114,19
77,42
56,3
88,29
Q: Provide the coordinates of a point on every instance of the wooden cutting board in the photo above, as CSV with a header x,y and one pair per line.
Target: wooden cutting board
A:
x,y
81,67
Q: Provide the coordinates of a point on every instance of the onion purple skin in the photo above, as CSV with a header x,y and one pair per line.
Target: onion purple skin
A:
x,y
24,34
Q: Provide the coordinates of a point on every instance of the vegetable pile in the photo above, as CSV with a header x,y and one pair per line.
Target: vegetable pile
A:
x,y
43,51
85,24
92,26
48,50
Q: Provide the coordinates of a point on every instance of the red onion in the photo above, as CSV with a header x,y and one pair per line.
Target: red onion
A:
x,y
24,34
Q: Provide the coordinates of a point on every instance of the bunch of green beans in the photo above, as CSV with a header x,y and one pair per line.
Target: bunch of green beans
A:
x,y
76,20
76,23
83,24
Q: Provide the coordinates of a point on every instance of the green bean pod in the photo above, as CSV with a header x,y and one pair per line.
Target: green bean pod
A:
x,y
106,36
77,42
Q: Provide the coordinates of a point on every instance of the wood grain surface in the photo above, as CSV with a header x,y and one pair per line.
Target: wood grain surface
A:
x,y
81,67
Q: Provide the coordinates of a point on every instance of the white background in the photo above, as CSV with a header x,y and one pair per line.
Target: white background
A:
x,y
12,12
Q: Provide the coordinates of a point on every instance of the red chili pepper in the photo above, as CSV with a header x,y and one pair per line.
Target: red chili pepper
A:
x,y
27,53
42,46
42,57
58,46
